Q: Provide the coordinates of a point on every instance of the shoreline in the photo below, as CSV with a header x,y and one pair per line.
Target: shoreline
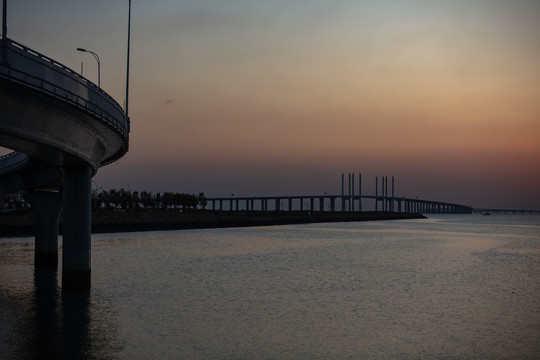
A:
x,y
21,224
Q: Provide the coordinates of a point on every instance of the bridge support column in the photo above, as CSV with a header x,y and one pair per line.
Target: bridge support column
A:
x,y
47,207
76,228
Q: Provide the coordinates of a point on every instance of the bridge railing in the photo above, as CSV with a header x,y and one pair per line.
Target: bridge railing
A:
x,y
23,65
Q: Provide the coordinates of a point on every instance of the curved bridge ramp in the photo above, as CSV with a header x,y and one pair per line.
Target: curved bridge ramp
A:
x,y
19,171
62,128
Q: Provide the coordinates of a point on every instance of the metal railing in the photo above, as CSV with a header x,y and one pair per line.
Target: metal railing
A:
x,y
25,66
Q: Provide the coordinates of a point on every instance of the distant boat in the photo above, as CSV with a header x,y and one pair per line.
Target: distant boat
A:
x,y
486,213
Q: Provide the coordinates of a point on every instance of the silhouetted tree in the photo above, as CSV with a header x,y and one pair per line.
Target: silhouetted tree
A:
x,y
147,200
135,202
201,199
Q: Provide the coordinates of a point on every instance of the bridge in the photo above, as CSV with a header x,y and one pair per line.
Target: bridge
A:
x,y
62,128
383,201
335,203
505,211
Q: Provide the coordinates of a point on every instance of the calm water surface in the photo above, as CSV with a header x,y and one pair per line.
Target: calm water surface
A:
x,y
450,287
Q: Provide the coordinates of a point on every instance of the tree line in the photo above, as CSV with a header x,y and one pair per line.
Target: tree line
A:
x,y
128,200
121,199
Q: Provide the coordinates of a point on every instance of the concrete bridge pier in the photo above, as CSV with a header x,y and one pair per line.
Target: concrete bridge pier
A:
x,y
47,207
76,221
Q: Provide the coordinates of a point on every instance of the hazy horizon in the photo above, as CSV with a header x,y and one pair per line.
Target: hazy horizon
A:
x,y
279,98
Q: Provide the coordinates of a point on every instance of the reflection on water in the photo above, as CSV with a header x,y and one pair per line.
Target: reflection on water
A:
x,y
46,323
76,325
448,288
46,337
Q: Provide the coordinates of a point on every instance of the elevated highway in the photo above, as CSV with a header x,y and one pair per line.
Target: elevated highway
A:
x,y
62,128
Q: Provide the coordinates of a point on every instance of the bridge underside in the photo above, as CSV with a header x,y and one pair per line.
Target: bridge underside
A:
x,y
34,174
57,133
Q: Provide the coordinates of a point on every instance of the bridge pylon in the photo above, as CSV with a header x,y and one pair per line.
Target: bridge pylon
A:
x,y
47,207
76,221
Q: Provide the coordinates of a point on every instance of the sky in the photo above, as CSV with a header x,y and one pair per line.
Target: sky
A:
x,y
252,97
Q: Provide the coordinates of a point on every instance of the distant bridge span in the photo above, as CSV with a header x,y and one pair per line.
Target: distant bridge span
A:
x,y
504,211
62,128
336,203
384,200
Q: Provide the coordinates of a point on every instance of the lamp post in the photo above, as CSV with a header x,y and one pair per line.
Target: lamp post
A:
x,y
4,19
3,44
127,60
98,63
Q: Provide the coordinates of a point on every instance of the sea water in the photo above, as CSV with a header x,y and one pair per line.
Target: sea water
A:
x,y
447,287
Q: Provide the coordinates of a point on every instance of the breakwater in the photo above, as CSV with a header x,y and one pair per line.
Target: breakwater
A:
x,y
22,223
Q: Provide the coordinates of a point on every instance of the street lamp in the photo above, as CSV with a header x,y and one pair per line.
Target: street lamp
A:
x,y
3,51
127,60
98,63
4,19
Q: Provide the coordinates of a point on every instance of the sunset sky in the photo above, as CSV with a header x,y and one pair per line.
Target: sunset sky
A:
x,y
253,97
